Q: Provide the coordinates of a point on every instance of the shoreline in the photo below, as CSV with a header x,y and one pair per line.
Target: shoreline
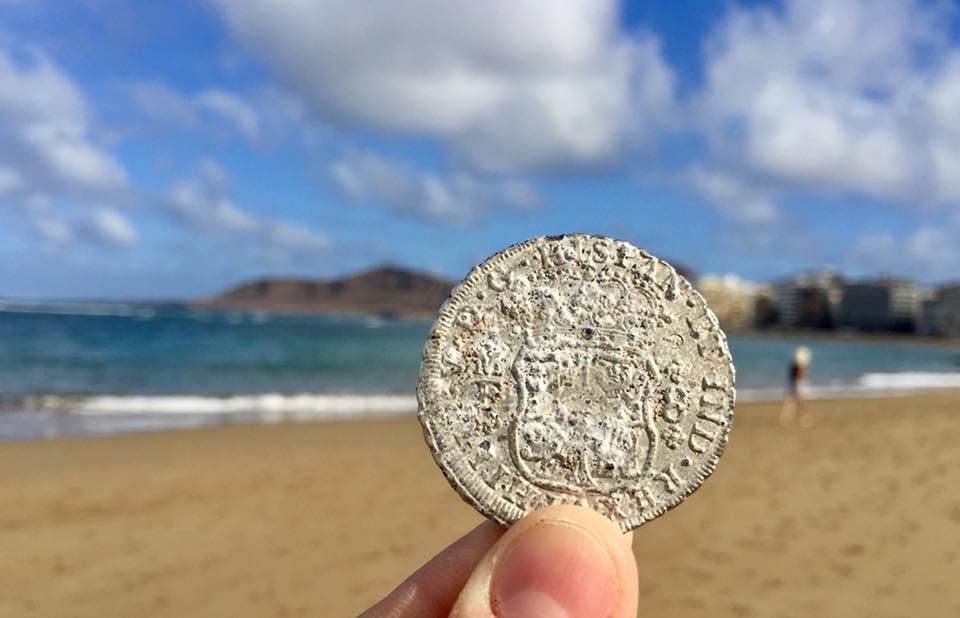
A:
x,y
847,336
99,416
294,310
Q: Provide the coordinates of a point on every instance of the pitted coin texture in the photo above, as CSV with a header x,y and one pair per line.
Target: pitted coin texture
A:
x,y
576,369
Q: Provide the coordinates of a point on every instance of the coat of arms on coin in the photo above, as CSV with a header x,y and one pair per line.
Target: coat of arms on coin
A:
x,y
576,369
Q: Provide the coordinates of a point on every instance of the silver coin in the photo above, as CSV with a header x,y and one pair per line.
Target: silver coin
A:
x,y
576,369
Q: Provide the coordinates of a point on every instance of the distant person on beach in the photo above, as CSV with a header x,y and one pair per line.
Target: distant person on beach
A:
x,y
561,560
793,403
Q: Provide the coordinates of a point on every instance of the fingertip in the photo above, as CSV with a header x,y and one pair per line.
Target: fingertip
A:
x,y
562,560
618,544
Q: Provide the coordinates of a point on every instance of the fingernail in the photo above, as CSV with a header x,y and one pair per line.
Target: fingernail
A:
x,y
554,570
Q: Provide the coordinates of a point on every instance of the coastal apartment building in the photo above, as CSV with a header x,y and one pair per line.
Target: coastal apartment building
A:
x,y
731,298
883,304
941,315
809,300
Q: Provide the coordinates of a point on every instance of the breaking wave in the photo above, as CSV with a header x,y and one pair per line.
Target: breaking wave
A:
x,y
267,406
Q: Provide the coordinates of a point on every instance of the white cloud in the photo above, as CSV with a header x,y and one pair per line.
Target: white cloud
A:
x,y
875,248
457,199
204,208
50,162
944,105
109,227
519,194
45,130
72,159
61,226
507,84
944,96
202,204
38,201
931,250
51,228
9,180
265,114
214,174
295,238
935,250
233,109
740,199
161,103
811,97
853,97
37,89
822,139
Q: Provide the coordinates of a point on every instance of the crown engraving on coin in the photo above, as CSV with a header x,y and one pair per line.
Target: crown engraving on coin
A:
x,y
576,369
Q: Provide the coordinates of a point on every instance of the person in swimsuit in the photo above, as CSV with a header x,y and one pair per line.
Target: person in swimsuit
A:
x,y
793,403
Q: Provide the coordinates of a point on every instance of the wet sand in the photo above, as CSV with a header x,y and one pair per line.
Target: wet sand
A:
x,y
858,516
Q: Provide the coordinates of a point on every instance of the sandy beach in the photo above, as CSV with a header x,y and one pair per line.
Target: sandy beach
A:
x,y
858,516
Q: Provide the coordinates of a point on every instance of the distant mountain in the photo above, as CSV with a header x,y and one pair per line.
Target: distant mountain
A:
x,y
383,291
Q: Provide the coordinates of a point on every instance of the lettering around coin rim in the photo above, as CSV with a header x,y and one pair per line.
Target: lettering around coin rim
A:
x,y
576,369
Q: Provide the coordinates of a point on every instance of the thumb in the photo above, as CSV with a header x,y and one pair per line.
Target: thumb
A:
x,y
561,561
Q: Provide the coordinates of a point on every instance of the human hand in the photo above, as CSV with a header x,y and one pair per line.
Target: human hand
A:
x,y
561,561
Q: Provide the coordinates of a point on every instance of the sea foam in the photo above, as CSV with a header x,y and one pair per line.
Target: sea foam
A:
x,y
48,416
909,380
267,406
320,406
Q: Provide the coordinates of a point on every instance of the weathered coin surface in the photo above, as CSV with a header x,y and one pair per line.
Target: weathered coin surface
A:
x,y
576,369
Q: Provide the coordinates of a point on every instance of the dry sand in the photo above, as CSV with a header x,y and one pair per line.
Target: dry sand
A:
x,y
859,516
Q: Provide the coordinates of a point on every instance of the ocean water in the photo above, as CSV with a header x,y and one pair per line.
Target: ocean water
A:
x,y
92,368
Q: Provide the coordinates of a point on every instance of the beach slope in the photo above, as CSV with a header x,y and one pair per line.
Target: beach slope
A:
x,y
858,516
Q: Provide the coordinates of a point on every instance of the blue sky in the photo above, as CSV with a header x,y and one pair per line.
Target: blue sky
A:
x,y
171,149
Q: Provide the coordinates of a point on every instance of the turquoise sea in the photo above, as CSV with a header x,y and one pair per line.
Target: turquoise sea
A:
x,y
92,368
